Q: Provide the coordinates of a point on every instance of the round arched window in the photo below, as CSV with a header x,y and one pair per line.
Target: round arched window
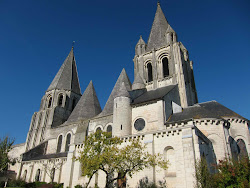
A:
x,y
139,124
99,129
109,129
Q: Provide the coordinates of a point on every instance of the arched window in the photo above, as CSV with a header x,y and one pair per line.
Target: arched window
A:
x,y
109,129
49,102
59,144
150,72
67,142
24,175
38,173
165,67
241,148
169,155
60,100
53,174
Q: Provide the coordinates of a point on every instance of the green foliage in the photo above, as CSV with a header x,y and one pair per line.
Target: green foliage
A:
x,y
16,183
5,147
233,173
2,183
58,185
202,175
112,156
78,186
230,174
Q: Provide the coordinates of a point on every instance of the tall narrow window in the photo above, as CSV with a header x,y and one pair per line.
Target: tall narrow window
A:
x,y
24,175
241,148
165,67
53,174
49,102
150,72
67,142
59,144
37,177
60,100
109,129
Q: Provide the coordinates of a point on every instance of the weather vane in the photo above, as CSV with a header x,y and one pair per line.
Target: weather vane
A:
x,y
73,43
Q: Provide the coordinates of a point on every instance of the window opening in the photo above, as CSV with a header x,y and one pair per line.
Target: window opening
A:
x,y
150,74
50,102
59,144
165,67
53,174
60,100
37,177
242,150
24,175
67,142
109,129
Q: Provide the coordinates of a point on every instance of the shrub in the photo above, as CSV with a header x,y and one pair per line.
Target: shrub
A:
x,y
16,183
58,185
233,173
31,185
204,178
78,186
230,174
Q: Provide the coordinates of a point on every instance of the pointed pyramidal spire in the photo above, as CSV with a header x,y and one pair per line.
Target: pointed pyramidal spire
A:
x,y
88,105
108,109
67,77
160,25
123,92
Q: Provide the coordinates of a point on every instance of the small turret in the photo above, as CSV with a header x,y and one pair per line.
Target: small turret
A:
x,y
138,83
170,35
140,47
122,113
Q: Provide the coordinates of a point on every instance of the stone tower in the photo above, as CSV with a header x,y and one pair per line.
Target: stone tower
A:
x,y
164,61
57,104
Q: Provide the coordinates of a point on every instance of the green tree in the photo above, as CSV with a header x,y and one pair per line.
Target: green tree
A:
x,y
233,173
5,147
202,175
230,173
115,158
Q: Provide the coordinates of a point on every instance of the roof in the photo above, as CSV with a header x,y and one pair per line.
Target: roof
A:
x,y
48,156
153,94
138,82
160,25
211,109
123,92
88,105
108,109
67,76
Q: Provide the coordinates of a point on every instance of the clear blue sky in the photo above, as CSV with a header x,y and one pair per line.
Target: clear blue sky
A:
x,y
36,37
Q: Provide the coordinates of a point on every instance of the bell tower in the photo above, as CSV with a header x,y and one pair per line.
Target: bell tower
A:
x,y
57,104
164,61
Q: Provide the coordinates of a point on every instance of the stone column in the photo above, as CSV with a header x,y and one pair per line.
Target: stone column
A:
x,y
189,156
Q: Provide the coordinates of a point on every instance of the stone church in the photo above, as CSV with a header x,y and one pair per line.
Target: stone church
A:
x,y
160,108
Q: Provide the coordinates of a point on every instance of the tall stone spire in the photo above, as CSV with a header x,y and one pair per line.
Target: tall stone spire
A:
x,y
67,76
160,25
123,79
88,105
